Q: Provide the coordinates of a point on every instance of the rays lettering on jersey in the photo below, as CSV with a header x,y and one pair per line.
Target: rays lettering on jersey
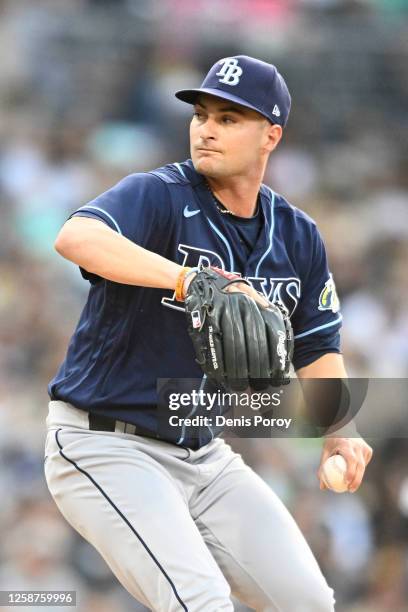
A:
x,y
285,291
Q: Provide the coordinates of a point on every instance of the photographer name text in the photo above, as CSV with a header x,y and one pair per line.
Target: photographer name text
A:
x,y
223,421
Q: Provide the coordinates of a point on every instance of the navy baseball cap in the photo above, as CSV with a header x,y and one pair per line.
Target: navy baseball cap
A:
x,y
249,82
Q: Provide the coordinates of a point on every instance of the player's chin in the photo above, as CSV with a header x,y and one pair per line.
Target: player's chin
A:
x,y
207,166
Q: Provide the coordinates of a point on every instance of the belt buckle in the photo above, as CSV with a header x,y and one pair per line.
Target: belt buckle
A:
x,y
127,428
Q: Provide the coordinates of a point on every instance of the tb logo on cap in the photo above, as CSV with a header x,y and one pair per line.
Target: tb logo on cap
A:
x,y
230,72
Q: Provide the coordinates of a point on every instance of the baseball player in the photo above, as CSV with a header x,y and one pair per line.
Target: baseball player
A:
x,y
180,519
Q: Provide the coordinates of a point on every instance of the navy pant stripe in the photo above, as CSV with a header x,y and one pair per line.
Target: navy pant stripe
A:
x,y
125,519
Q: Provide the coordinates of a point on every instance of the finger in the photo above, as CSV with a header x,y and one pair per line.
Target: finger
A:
x,y
368,453
352,464
351,461
259,298
358,476
325,455
322,482
322,485
244,288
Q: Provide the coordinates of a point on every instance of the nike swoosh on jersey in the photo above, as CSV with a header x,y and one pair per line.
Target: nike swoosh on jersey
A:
x,y
190,213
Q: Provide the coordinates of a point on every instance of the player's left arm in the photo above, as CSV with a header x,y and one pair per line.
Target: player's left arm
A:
x,y
355,451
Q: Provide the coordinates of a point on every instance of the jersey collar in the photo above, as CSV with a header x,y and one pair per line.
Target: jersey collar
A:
x,y
264,248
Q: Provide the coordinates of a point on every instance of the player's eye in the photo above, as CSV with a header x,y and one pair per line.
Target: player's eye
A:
x,y
198,115
228,119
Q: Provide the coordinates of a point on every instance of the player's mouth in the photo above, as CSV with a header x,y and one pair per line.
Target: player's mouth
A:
x,y
203,150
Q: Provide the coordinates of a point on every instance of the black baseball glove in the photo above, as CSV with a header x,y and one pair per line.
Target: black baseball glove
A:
x,y
238,343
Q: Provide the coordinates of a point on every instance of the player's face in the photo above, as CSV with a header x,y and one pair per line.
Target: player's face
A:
x,y
228,139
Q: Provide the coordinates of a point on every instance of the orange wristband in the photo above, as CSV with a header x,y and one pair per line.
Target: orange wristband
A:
x,y
180,283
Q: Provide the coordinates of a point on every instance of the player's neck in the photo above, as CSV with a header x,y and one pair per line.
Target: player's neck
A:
x,y
237,194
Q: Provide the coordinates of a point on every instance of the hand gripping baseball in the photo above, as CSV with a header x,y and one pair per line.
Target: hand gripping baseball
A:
x,y
238,342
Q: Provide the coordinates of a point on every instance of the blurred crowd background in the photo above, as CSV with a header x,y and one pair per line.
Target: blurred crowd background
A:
x,y
86,97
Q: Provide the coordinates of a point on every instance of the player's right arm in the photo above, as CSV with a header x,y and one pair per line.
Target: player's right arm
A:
x,y
97,248
119,235
92,245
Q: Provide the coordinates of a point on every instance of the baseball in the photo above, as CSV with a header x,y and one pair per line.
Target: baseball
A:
x,y
334,470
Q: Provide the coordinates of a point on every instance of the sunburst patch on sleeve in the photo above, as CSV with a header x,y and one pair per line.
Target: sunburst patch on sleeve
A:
x,y
328,299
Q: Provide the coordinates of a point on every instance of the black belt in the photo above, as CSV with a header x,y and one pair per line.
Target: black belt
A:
x,y
99,422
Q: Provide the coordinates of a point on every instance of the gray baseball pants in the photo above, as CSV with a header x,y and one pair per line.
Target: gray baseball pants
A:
x,y
180,529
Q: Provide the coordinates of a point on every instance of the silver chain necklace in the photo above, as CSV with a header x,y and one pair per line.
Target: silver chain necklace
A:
x,y
222,209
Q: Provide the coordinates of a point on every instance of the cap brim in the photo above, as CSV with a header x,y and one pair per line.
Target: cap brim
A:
x,y
191,95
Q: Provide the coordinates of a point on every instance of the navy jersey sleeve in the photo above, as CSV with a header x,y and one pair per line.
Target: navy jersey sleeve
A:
x,y
317,319
138,207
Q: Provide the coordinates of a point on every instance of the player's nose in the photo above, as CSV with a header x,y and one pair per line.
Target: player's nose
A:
x,y
207,129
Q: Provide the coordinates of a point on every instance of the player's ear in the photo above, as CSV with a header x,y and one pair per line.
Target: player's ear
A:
x,y
273,134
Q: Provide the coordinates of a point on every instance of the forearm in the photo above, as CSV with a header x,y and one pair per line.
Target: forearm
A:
x,y
98,249
330,365
342,437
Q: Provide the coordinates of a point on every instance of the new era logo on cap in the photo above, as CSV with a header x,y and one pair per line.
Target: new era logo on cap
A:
x,y
247,81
